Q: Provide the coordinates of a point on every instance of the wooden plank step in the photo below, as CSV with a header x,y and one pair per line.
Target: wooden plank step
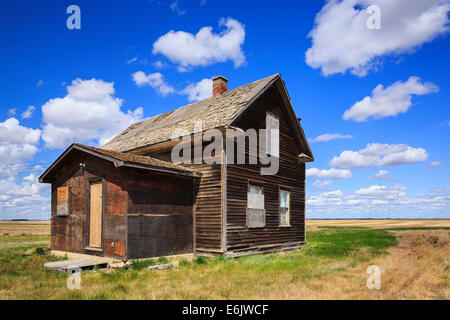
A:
x,y
83,263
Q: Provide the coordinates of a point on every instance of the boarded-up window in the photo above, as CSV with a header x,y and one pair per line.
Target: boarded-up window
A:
x,y
62,201
272,135
285,199
256,214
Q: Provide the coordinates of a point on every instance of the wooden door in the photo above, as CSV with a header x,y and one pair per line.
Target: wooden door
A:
x,y
95,215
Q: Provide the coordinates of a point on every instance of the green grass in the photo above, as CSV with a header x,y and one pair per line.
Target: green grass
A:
x,y
328,250
142,264
201,260
339,242
184,263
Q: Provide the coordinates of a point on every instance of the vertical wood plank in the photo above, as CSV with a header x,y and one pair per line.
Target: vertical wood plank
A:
x,y
95,230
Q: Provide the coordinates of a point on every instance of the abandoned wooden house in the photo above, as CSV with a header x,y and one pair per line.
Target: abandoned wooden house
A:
x,y
128,199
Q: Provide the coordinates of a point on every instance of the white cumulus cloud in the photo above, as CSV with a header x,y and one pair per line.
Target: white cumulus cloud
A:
x,y
378,155
28,112
328,173
330,136
341,40
23,197
321,183
434,164
154,80
204,48
380,201
383,192
198,91
390,101
88,113
17,142
381,175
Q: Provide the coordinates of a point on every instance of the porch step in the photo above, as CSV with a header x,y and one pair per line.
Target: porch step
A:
x,y
70,266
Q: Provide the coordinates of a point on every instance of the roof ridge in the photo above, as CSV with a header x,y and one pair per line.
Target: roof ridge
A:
x,y
210,98
213,112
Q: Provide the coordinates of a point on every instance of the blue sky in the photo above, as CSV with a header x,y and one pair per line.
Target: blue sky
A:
x,y
399,130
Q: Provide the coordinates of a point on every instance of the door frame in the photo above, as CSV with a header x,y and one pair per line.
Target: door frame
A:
x,y
90,181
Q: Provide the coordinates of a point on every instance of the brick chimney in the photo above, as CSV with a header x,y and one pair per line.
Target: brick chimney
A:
x,y
219,85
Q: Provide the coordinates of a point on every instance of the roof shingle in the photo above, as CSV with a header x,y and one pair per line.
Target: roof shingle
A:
x,y
213,112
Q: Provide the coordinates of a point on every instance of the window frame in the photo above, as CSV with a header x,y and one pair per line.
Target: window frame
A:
x,y
261,188
268,136
281,224
258,185
68,208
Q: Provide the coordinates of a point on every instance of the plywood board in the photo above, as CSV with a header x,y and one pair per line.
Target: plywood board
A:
x,y
256,218
62,201
62,195
95,216
255,201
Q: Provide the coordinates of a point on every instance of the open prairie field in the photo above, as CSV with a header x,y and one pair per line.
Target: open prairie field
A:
x,y
382,223
41,227
413,256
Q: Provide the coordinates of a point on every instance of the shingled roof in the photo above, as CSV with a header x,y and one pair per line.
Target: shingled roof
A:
x,y
122,159
214,112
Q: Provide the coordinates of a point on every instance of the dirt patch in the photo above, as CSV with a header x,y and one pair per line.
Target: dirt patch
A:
x,y
417,268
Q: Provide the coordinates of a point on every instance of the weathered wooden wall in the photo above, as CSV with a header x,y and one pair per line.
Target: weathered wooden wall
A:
x,y
291,176
151,214
145,213
159,214
207,195
71,233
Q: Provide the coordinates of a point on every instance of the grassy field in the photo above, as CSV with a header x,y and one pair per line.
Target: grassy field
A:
x,y
414,262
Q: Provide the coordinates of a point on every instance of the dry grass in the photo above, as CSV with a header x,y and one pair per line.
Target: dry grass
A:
x,y
414,264
382,223
25,227
417,268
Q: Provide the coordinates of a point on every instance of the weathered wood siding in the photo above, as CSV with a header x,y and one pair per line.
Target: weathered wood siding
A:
x,y
159,214
207,206
145,213
291,176
71,233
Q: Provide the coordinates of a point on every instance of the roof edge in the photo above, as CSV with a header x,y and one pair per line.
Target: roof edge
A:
x,y
302,137
117,163
238,114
